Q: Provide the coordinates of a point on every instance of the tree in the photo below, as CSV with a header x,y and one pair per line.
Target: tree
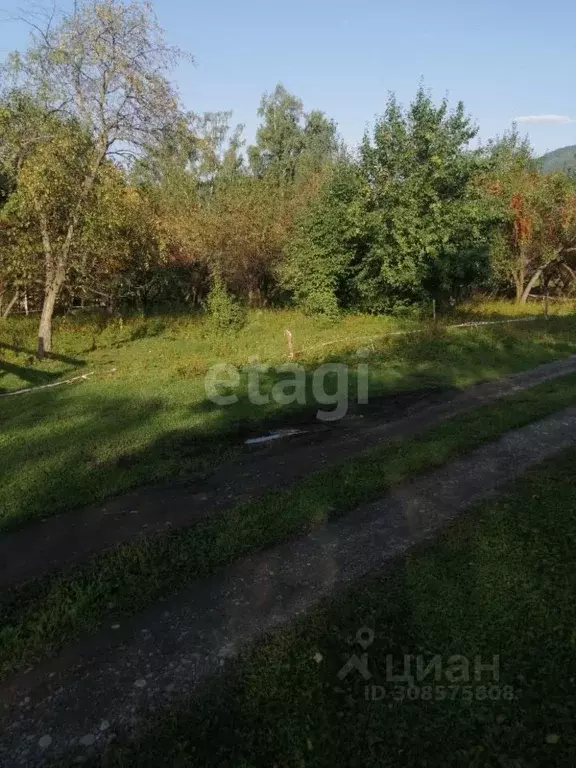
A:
x,y
23,128
290,142
320,143
534,233
327,242
101,68
425,222
238,233
203,199
190,156
537,235
402,223
216,217
279,140
116,233
117,255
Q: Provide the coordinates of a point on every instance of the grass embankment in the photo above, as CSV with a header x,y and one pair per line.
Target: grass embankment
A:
x,y
38,619
144,416
498,582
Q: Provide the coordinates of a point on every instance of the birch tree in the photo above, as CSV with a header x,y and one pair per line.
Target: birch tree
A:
x,y
102,68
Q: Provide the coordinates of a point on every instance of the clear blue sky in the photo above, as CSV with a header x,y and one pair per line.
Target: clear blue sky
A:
x,y
503,58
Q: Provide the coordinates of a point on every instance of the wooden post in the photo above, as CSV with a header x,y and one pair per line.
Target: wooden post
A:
x,y
546,304
288,335
434,309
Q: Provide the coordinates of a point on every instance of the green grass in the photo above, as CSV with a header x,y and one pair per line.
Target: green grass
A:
x,y
39,618
499,581
144,416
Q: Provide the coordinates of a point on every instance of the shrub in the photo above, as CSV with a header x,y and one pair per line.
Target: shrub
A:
x,y
224,311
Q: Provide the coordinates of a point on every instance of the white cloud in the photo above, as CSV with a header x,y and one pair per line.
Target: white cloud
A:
x,y
544,119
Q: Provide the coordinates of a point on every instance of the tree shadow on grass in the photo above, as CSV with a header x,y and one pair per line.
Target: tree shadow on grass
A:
x,y
66,451
497,583
56,460
72,361
30,375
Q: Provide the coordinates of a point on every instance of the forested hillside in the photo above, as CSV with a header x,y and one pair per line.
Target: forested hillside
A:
x,y
563,159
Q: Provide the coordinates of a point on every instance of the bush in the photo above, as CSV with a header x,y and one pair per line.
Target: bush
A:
x,y
224,311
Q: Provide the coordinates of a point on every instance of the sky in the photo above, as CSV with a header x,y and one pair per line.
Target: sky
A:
x,y
505,59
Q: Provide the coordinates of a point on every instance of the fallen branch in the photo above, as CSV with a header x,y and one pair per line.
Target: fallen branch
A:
x,y
84,377
551,298
418,330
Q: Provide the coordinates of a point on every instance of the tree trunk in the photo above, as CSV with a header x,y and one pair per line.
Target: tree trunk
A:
x,y
8,309
56,266
531,283
45,330
519,285
55,275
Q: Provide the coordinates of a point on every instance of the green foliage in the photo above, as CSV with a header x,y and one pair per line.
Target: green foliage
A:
x,y
401,224
51,179
534,236
225,313
114,227
423,220
289,142
96,75
508,152
411,217
183,164
105,64
279,138
320,256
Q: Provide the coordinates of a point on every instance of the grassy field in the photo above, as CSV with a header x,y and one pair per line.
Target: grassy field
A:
x,y
499,582
144,415
39,618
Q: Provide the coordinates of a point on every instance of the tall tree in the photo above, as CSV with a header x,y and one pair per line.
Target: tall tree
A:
x,y
327,241
320,143
290,142
102,66
279,139
402,223
24,128
423,216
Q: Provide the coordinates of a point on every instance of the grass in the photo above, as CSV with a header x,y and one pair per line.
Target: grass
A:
x,y
39,618
499,581
144,417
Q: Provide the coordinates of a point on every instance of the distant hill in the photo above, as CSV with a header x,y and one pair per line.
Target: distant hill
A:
x,y
563,159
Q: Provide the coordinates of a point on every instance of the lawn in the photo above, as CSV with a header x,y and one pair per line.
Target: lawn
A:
x,y
143,416
500,581
38,619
